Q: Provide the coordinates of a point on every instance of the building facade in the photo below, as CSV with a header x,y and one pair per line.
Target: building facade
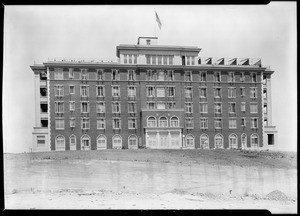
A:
x,y
154,96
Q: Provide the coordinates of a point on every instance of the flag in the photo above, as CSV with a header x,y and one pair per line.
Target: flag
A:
x,y
158,20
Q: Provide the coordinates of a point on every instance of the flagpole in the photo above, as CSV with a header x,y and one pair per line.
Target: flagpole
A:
x,y
154,24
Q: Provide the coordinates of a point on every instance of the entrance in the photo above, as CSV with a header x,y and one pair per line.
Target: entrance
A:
x,y
166,139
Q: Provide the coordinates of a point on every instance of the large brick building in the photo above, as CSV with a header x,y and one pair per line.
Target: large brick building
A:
x,y
154,96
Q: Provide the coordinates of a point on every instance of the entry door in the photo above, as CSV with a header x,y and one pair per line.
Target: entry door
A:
x,y
164,141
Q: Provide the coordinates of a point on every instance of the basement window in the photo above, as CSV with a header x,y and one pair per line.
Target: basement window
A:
x,y
41,140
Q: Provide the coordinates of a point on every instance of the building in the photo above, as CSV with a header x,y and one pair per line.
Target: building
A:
x,y
154,96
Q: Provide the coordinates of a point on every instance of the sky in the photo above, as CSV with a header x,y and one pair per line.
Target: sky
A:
x,y
34,33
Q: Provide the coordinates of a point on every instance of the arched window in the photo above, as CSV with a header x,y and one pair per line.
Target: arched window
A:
x,y
233,141
174,122
151,122
190,141
132,142
244,141
254,141
204,141
218,141
72,142
163,122
85,142
60,143
101,142
117,142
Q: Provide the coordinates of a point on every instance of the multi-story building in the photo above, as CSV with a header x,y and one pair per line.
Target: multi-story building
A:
x,y
154,96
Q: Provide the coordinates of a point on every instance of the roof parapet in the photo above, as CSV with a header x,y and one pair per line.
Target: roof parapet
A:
x,y
80,60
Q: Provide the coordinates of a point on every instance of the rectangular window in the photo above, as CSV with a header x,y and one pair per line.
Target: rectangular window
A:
x,y
160,92
116,91
72,105
84,91
85,107
130,59
41,140
150,91
189,92
232,123
71,73
218,123
243,106
203,123
165,59
148,59
131,91
242,78
253,108
116,107
203,107
188,60
170,105
242,91
188,107
100,74
253,77
125,59
189,123
72,122
202,76
192,60
115,75
171,91
151,105
188,76
59,107
253,92
218,108
153,59
58,74
161,105
243,122
159,59
116,123
170,75
100,107
203,92
71,89
101,123
254,122
231,108
131,75
231,92
135,59
217,77
59,90
132,123
100,91
85,123
132,107
160,75
217,92
171,60
83,74
59,124
150,75
231,77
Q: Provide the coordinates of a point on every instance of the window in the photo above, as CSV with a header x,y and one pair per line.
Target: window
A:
x,y
217,92
150,91
132,123
244,141
190,141
163,122
59,124
189,123
148,59
203,123
151,105
132,142
116,123
188,107
132,107
100,91
125,59
40,140
160,75
43,92
188,92
202,76
231,77
231,92
165,59
59,90
85,123
101,142
85,142
171,60
71,73
253,108
117,142
170,75
101,123
174,122
153,59
188,76
72,122
242,77
203,107
160,105
204,141
264,81
243,106
170,105
131,91
243,122
73,141
83,74
58,74
188,60
116,107
171,91
218,123
253,77
218,141
60,143
115,75
217,77
84,91
159,59
130,59
150,75
231,107
203,92
100,107
59,107
151,122
218,107
160,92
254,122
253,92
265,94
242,91
233,141
254,140
232,123
72,89
72,105
131,75
116,91
43,75
100,74
85,107
270,139
264,109
135,59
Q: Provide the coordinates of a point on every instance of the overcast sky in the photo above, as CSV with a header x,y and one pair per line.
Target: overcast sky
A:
x,y
34,33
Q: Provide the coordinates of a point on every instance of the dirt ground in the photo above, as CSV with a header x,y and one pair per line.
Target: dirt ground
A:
x,y
47,180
